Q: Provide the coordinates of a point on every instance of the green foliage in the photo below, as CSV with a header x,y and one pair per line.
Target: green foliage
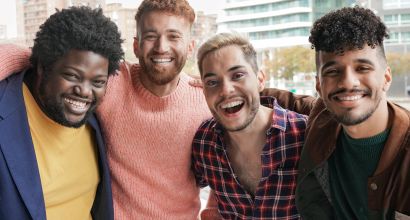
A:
x,y
285,62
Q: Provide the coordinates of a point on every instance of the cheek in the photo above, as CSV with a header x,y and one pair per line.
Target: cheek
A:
x,y
99,93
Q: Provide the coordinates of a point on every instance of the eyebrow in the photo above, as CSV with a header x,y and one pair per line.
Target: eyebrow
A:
x,y
167,31
82,72
365,61
210,74
330,63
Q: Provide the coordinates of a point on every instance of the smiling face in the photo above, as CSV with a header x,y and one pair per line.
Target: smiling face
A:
x,y
353,84
162,46
72,88
231,87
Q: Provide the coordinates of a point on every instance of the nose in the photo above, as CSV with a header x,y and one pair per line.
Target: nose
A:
x,y
162,45
349,79
227,88
83,90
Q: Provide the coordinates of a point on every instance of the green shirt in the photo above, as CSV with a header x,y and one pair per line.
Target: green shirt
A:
x,y
353,161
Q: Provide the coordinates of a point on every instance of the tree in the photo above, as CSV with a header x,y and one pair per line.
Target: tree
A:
x,y
399,63
288,61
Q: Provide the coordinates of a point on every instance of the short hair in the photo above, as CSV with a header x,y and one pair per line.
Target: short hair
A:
x,y
174,7
80,28
348,29
221,40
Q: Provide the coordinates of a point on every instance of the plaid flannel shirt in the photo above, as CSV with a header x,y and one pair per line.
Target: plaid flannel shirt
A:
x,y
275,194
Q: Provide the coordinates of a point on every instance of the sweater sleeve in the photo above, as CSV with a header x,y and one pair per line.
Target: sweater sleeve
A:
x,y
13,58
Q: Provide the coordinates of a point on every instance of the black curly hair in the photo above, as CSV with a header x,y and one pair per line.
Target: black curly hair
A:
x,y
347,29
79,28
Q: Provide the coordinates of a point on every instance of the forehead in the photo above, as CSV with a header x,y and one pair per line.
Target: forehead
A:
x,y
83,60
162,21
223,59
349,56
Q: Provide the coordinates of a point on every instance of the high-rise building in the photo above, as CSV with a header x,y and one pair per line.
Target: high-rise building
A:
x,y
396,16
124,18
90,3
36,12
275,23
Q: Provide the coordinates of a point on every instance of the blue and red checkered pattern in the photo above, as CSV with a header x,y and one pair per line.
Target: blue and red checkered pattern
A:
x,y
275,195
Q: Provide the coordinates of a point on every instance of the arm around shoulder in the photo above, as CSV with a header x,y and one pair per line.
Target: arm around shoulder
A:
x,y
301,104
13,58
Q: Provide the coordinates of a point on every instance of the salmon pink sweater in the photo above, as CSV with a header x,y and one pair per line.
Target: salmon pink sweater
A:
x,y
149,147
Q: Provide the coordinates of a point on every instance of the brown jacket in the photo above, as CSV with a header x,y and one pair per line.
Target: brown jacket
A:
x,y
388,189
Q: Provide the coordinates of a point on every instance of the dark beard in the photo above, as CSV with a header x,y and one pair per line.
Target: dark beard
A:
x,y
55,110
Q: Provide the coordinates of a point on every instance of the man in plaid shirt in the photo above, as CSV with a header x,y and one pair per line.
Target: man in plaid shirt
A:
x,y
248,152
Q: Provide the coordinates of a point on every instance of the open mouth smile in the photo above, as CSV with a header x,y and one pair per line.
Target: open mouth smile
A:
x,y
77,106
232,107
161,60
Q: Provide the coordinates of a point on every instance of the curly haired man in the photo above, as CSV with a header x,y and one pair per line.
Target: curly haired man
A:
x,y
356,160
52,155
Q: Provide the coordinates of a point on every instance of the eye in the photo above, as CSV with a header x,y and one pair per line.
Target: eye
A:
x,y
150,37
71,76
363,69
99,83
211,83
238,75
330,72
174,36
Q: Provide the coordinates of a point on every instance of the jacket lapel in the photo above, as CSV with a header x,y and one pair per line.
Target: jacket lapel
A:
x,y
18,150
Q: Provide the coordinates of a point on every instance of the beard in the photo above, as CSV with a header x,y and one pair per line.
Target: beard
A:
x,y
252,114
348,118
54,109
161,75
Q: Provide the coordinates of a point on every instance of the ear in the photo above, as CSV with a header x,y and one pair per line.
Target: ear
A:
x,y
387,79
136,46
261,80
318,90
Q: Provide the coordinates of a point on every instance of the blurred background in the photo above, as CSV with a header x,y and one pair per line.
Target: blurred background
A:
x,y
278,29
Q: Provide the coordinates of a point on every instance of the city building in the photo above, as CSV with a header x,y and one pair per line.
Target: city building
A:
x,y
124,18
275,23
396,15
36,12
90,3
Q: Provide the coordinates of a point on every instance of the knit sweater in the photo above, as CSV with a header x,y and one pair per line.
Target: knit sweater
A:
x,y
13,59
149,147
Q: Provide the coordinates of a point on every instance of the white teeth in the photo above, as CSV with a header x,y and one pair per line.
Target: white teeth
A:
x,y
350,98
232,104
167,60
76,104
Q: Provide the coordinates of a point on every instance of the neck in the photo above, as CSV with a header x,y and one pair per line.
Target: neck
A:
x,y
157,89
254,133
375,124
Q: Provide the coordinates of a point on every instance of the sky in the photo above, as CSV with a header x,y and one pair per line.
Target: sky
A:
x,y
8,10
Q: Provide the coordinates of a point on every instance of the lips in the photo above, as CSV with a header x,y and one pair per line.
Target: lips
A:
x,y
233,106
349,98
162,60
76,106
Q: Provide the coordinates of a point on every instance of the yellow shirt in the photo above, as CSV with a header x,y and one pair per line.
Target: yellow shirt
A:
x,y
67,162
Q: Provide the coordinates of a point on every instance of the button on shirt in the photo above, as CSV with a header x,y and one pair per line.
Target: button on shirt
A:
x,y
275,194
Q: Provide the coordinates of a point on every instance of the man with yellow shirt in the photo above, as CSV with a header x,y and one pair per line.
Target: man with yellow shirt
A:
x,y
52,157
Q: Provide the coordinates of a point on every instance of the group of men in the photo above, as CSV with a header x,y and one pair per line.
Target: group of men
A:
x,y
262,157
